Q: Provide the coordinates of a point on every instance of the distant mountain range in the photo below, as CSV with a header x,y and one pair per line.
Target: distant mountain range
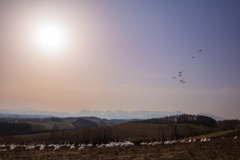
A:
x,y
212,116
119,114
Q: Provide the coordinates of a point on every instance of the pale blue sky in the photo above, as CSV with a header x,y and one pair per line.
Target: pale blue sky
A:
x,y
123,55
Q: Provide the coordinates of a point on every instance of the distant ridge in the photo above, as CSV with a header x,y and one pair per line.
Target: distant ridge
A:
x,y
118,114
20,116
212,116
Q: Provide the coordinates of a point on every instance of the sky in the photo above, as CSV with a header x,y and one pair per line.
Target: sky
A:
x,y
121,55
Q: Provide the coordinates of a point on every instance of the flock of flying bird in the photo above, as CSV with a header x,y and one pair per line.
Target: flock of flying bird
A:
x,y
3,148
180,73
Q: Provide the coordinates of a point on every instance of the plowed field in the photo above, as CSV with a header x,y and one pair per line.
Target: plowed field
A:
x,y
214,149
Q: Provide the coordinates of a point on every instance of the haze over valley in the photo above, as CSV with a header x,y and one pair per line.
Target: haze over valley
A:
x,y
119,114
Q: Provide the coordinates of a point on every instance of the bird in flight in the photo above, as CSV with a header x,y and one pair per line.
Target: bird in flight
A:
x,y
182,80
180,73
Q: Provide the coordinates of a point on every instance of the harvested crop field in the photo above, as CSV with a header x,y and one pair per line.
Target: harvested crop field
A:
x,y
227,148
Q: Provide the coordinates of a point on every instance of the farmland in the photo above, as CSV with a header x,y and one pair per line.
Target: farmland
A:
x,y
123,131
216,148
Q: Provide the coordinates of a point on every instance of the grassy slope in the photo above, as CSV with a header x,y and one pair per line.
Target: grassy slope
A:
x,y
217,134
35,125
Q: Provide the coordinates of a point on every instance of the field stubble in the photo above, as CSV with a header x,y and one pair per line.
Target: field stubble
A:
x,y
215,149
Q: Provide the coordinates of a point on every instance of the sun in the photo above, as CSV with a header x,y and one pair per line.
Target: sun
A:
x,y
50,37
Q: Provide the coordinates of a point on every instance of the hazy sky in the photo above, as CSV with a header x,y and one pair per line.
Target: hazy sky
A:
x,y
111,55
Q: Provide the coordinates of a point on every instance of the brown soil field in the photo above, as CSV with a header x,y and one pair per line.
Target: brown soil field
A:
x,y
218,148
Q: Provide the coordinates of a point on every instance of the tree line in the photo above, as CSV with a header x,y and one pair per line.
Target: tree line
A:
x,y
229,124
14,128
181,119
7,128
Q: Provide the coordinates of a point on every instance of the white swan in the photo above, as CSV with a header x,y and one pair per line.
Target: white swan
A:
x,y
155,143
205,139
208,139
100,146
190,140
57,147
81,148
2,146
30,147
174,142
89,145
68,145
83,145
51,145
182,141
12,147
42,147
72,146
110,145
150,143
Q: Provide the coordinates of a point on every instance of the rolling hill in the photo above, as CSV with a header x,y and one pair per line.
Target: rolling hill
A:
x,y
123,131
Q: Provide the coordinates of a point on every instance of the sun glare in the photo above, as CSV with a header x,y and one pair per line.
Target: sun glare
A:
x,y
50,37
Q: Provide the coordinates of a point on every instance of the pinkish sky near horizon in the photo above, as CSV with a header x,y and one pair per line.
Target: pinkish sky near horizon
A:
x,y
108,55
